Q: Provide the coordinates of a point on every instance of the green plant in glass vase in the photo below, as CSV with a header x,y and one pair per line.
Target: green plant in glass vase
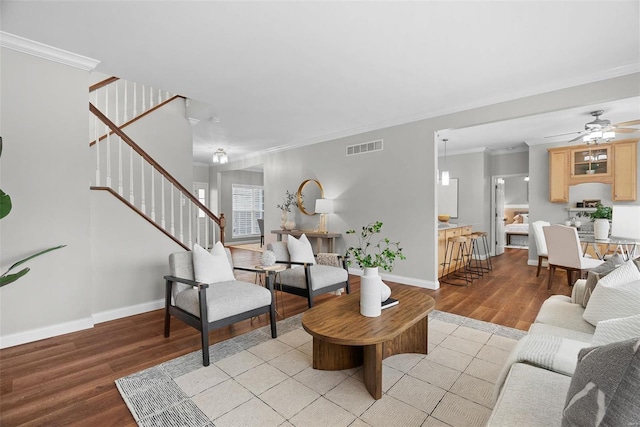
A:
x,y
383,253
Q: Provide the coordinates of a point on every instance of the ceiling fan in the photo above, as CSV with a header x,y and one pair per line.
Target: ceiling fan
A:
x,y
601,130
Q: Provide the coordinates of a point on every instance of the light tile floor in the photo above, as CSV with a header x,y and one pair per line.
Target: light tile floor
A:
x,y
273,384
254,380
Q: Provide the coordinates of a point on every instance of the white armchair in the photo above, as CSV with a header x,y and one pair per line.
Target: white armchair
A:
x,y
212,306
308,280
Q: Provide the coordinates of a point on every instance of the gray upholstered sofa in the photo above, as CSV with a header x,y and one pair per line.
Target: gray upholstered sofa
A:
x,y
537,377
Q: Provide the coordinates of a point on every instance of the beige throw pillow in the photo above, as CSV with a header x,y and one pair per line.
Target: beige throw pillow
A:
x,y
617,295
300,249
211,267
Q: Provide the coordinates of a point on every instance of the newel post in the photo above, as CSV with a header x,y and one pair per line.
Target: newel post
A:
x,y
223,224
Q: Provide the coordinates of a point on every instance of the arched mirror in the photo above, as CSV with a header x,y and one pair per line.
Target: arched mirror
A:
x,y
309,191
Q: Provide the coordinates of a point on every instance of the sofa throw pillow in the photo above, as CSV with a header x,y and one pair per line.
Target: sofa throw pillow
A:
x,y
616,330
605,387
211,267
612,301
594,275
300,249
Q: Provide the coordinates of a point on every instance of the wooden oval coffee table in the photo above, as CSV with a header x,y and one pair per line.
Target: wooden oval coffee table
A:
x,y
343,338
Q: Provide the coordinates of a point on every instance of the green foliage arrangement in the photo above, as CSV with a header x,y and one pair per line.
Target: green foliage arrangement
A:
x,y
288,201
385,252
5,208
601,212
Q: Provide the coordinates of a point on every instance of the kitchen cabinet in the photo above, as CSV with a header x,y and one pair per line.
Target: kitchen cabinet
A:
x,y
608,163
558,175
625,176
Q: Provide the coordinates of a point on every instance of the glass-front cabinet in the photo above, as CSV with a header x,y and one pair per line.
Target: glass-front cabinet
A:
x,y
591,163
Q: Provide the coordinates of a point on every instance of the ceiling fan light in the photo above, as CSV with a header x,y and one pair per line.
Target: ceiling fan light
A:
x,y
608,135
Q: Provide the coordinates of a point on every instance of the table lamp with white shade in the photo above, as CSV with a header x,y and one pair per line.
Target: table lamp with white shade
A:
x,y
323,207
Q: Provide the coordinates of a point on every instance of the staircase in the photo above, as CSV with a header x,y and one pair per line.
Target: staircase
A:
x,y
131,175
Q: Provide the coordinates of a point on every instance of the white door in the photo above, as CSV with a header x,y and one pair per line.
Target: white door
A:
x,y
203,225
498,215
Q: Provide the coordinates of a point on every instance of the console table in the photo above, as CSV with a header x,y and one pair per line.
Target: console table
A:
x,y
329,237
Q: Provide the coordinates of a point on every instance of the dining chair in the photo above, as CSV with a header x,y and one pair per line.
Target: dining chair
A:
x,y
541,243
625,223
564,251
261,226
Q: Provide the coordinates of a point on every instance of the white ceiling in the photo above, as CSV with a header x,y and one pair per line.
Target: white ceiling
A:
x,y
274,75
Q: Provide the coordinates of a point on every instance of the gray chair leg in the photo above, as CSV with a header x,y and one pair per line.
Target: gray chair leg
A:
x,y
204,325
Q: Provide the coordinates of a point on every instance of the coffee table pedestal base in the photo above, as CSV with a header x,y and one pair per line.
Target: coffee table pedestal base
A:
x,y
332,357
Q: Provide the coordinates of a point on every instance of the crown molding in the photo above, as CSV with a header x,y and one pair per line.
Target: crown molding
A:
x,y
41,50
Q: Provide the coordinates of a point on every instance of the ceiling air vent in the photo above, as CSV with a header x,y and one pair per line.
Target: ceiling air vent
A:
x,y
365,147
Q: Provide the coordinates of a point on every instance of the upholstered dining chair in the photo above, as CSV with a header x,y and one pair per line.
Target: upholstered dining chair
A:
x,y
541,243
306,279
211,306
564,251
261,226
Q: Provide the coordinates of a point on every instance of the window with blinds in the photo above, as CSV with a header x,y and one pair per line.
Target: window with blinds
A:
x,y
248,207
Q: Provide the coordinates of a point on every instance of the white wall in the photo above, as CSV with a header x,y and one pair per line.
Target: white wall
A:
x,y
45,165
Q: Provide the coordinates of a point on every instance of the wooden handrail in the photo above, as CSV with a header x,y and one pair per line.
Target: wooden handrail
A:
x,y
136,118
103,83
142,214
221,221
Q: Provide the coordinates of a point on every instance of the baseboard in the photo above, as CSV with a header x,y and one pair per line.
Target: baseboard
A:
x,y
78,325
534,262
132,310
46,332
428,284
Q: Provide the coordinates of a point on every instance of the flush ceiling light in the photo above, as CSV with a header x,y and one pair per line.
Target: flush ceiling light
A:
x,y
220,157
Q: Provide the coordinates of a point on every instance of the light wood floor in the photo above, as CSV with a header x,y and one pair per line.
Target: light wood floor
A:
x,y
69,380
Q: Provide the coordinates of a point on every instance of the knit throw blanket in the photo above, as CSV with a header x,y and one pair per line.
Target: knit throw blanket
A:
x,y
545,351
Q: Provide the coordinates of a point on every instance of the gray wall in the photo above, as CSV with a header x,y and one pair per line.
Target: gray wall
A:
x,y
45,165
397,185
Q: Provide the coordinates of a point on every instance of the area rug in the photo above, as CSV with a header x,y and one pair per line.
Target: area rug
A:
x,y
254,247
254,380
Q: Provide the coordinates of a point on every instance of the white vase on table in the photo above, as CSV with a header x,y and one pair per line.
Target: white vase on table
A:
x,y
370,304
601,229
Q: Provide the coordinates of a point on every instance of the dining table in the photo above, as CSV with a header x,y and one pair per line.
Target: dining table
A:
x,y
626,246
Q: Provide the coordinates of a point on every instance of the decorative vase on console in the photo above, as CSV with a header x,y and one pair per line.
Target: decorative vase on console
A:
x,y
289,224
283,220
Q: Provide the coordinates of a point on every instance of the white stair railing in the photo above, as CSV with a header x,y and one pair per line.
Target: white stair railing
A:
x,y
148,182
124,102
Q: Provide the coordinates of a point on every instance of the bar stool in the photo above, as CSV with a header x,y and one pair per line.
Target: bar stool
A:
x,y
486,249
454,264
474,264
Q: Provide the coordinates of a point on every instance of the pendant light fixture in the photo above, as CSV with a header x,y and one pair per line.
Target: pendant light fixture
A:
x,y
444,180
